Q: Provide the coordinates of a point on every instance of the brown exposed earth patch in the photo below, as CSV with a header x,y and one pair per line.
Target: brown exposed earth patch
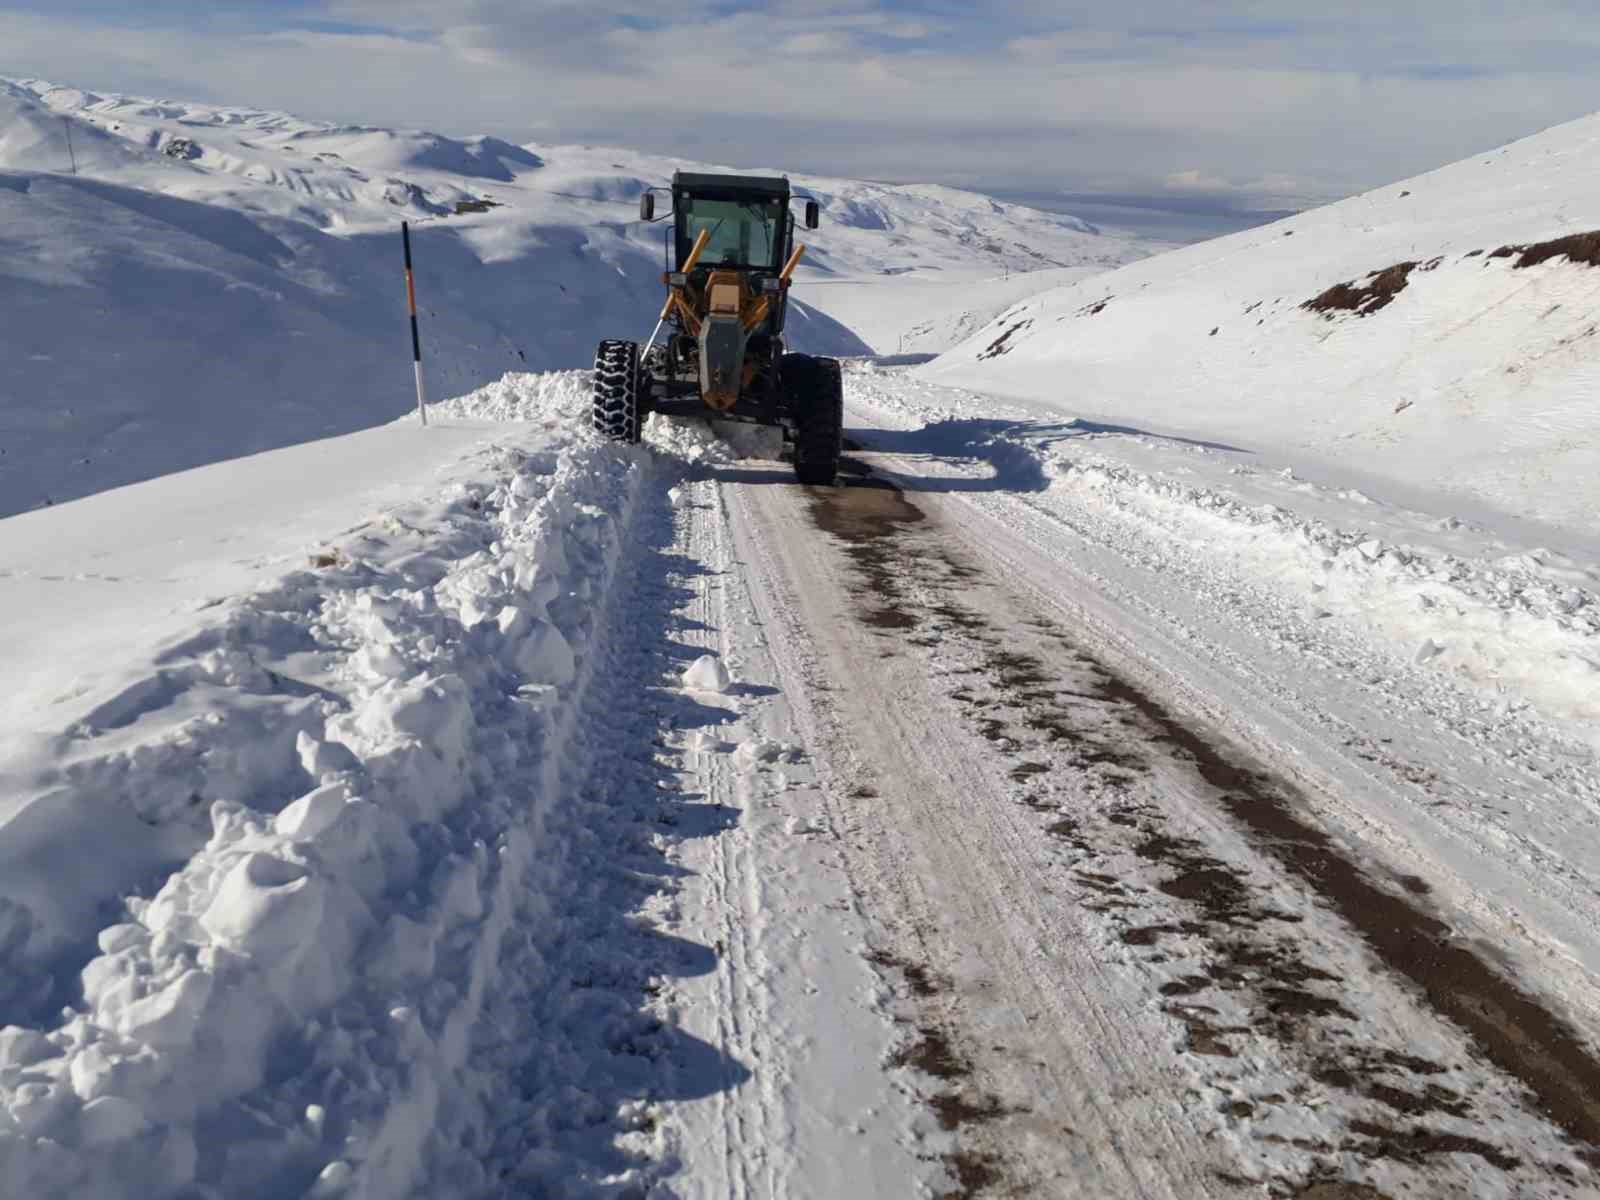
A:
x,y
1582,249
1418,1143
1001,344
1511,1028
1329,1189
931,1052
864,514
1363,299
918,978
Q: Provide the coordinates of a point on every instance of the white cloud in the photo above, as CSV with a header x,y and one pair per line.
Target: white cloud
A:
x,y
1196,180
824,42
1234,97
1071,43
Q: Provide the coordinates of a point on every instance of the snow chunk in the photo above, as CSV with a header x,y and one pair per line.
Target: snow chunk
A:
x,y
321,759
542,654
435,710
334,1180
170,1016
707,674
115,938
313,813
265,905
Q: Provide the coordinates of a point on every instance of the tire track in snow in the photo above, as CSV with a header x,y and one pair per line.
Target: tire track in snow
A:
x,y
1392,925
817,1117
705,628
950,889
1211,592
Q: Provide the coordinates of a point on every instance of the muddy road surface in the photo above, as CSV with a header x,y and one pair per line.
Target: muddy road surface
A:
x,y
1131,948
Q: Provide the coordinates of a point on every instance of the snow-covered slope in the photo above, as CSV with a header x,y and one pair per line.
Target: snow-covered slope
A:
x,y
1448,364
216,281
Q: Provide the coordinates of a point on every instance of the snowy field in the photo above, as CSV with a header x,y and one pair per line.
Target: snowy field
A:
x,y
1166,764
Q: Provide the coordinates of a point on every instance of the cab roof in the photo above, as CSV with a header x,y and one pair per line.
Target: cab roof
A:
x,y
764,185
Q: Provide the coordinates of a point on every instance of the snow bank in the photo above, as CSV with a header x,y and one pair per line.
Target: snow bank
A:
x,y
323,780
1521,628
1443,366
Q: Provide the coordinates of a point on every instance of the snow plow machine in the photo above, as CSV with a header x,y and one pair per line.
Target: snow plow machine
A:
x,y
722,355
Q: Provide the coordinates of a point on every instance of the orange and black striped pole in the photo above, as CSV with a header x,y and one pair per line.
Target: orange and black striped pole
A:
x,y
416,341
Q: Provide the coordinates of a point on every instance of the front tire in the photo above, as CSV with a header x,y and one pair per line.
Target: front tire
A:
x,y
616,406
815,390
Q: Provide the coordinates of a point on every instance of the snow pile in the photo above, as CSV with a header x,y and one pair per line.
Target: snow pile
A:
x,y
554,399
1438,335
321,776
708,673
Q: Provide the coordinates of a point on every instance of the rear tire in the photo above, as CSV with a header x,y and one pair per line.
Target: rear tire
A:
x,y
616,391
815,391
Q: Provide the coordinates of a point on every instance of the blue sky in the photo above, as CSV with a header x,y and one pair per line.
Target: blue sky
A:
x,y
1246,103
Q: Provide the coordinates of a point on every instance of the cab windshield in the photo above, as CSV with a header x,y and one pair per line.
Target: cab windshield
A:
x,y
744,233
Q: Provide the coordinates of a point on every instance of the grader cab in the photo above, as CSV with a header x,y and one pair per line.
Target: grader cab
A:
x,y
718,347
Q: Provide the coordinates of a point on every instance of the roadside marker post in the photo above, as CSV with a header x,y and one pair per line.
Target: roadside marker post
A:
x,y
416,341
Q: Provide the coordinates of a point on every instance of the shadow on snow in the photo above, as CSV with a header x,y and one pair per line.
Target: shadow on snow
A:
x,y
603,1052
1015,453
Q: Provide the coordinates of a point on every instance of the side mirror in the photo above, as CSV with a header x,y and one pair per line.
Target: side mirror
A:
x,y
647,206
813,214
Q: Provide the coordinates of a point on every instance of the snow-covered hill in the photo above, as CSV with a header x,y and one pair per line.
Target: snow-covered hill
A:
x,y
1461,355
216,281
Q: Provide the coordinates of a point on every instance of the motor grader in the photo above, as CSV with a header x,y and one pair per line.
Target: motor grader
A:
x,y
718,348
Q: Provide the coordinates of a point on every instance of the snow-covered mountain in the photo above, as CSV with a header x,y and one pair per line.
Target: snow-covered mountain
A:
x,y
1439,334
216,281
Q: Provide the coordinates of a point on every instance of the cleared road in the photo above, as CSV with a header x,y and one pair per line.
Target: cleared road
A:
x,y
1152,924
